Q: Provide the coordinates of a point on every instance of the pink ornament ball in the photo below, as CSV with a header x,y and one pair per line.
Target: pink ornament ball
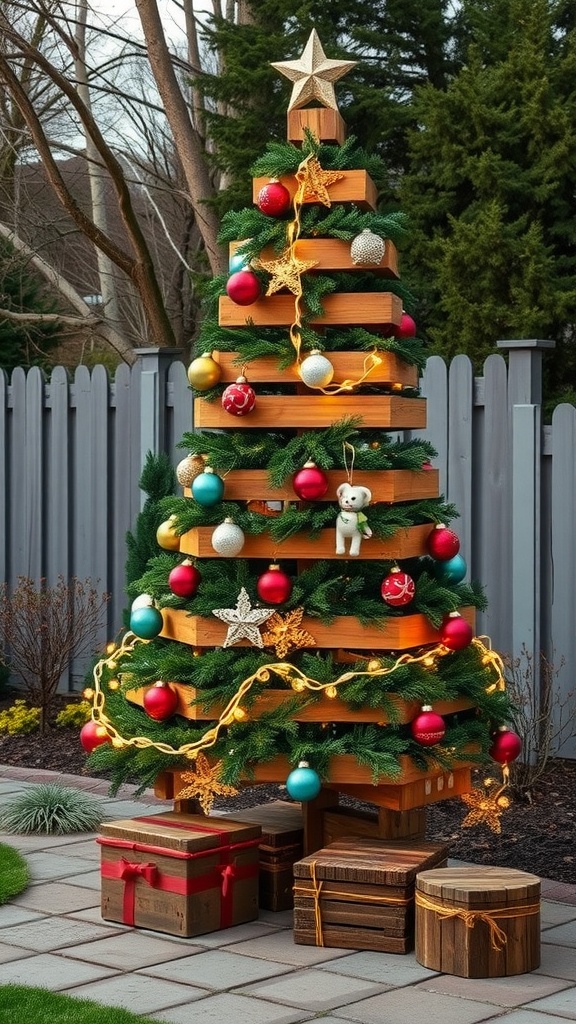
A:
x,y
310,483
507,746
243,288
184,580
93,735
455,633
442,543
274,199
428,728
406,328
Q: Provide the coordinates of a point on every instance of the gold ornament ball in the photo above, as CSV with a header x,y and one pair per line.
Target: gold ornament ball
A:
x,y
204,372
167,537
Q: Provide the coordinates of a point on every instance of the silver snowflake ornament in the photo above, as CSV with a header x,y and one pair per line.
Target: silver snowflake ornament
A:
x,y
243,621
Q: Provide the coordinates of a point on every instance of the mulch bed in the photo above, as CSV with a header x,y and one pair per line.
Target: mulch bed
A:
x,y
537,833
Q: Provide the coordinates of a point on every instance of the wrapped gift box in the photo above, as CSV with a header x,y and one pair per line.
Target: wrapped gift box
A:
x,y
182,874
478,922
282,844
358,893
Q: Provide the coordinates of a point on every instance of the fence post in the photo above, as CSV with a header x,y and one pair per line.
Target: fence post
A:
x,y
154,364
525,404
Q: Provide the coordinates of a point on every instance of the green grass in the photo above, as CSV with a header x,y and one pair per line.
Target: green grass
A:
x,y
20,1005
51,809
14,874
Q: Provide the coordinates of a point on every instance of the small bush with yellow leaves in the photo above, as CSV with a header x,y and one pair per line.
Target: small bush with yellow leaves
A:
x,y
19,719
76,714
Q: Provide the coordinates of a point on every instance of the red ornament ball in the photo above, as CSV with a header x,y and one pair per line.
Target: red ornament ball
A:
x,y
92,735
274,199
455,633
406,328
398,588
428,728
274,586
310,483
160,701
442,543
184,580
243,288
239,399
507,746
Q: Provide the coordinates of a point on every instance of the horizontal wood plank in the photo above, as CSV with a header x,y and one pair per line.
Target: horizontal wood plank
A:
x,y
390,485
286,411
334,254
353,187
347,365
375,309
406,543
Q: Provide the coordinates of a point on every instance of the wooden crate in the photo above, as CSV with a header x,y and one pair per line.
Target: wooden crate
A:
x,y
391,485
353,187
478,922
334,254
281,846
288,411
374,309
358,893
396,633
325,123
406,543
347,365
181,874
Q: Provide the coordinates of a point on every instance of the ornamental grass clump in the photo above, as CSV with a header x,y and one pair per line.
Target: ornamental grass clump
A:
x,y
51,809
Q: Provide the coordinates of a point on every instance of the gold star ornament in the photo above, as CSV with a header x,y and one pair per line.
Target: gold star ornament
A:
x,y
313,75
204,784
286,272
486,807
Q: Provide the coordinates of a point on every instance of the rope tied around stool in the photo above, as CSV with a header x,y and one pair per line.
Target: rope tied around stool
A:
x,y
498,937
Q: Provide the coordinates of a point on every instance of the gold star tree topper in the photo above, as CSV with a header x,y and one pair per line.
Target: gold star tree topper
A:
x,y
204,784
313,75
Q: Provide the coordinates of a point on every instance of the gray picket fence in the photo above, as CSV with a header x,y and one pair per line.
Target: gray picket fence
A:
x,y
73,447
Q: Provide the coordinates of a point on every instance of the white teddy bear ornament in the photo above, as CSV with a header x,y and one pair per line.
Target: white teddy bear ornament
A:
x,y
351,521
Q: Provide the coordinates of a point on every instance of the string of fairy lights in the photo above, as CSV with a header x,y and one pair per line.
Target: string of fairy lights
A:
x,y
288,673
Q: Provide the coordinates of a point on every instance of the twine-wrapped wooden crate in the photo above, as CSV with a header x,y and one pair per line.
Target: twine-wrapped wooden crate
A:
x,y
358,893
281,845
182,874
478,922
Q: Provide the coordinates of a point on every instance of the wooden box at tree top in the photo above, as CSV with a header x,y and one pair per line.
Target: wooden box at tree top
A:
x,y
282,844
478,922
358,893
182,874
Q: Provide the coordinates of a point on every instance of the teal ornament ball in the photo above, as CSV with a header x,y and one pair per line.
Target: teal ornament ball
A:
x,y
146,622
207,488
303,783
238,262
452,571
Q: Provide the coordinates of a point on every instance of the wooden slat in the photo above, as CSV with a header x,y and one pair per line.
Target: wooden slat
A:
x,y
286,411
374,309
353,187
334,254
390,485
325,123
418,793
347,365
408,543
322,710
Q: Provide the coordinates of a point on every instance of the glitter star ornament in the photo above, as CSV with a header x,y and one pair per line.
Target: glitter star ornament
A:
x,y
313,75
204,784
317,181
243,621
486,807
286,272
284,633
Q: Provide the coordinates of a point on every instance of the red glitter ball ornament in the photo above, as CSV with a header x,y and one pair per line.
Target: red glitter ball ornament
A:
x,y
160,701
310,483
239,398
184,580
406,328
455,633
243,288
507,746
398,588
274,586
442,543
274,199
93,735
428,728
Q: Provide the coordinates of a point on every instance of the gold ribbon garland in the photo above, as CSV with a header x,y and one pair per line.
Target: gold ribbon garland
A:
x,y
498,938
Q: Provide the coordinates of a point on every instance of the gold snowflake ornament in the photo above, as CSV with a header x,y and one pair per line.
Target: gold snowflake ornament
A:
x,y
204,784
284,633
486,807
313,75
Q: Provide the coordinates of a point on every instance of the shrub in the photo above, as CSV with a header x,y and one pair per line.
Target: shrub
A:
x,y
51,809
76,715
19,719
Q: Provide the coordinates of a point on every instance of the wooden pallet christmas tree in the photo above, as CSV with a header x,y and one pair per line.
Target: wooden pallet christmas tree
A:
x,y
306,620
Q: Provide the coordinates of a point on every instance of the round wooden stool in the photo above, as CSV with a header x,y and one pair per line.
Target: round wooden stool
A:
x,y
478,922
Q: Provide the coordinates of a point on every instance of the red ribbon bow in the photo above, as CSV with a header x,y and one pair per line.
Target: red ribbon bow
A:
x,y
131,870
228,875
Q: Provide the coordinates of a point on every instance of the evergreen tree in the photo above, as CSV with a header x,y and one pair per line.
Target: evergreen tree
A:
x,y
23,344
491,187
